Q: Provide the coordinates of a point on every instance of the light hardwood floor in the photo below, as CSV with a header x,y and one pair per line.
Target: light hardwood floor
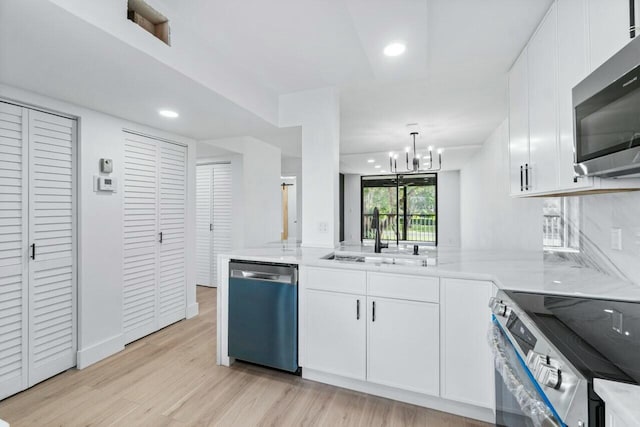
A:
x,y
170,378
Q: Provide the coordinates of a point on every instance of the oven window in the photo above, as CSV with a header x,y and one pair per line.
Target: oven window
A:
x,y
610,120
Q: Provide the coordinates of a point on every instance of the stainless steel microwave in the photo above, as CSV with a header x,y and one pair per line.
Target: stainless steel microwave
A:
x,y
606,107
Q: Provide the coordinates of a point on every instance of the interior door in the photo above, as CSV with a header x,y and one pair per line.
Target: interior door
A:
x,y
13,244
204,224
222,216
52,236
403,344
172,222
140,236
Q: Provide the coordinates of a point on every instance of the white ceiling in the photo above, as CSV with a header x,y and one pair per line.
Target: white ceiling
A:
x,y
451,80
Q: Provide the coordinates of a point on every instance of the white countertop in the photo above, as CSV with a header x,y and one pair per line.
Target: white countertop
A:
x,y
623,399
514,270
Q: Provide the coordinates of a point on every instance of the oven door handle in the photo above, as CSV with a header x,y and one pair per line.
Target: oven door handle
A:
x,y
530,404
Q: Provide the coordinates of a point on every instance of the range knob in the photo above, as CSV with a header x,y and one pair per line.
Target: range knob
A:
x,y
535,360
499,308
548,376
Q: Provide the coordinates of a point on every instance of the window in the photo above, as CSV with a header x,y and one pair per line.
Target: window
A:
x,y
561,225
407,205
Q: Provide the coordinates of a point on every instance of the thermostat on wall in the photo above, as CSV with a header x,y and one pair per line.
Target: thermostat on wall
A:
x,y
104,183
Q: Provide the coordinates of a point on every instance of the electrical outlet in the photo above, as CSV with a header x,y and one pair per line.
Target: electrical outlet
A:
x,y
616,239
323,227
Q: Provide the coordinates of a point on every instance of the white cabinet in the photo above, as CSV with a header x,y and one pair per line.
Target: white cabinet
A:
x,y
335,333
518,123
403,344
573,66
466,363
37,246
608,29
542,175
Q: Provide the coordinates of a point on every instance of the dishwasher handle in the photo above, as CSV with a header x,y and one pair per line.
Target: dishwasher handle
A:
x,y
262,276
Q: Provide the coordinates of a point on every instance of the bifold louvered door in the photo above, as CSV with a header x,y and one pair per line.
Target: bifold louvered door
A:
x,y
37,247
14,274
222,194
204,224
154,235
213,219
52,224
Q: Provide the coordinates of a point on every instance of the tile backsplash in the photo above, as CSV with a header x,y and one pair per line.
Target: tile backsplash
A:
x,y
603,215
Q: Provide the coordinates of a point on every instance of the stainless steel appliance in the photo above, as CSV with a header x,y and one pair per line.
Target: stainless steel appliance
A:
x,y
607,116
263,314
549,348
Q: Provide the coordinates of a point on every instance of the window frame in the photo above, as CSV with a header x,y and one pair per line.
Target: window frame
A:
x,y
398,178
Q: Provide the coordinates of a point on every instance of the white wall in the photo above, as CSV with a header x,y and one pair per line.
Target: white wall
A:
x,y
489,217
262,194
100,244
352,202
449,209
257,200
292,166
318,112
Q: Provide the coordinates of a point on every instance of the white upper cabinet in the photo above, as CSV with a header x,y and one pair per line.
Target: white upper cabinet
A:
x,y
518,122
608,29
573,66
542,173
574,38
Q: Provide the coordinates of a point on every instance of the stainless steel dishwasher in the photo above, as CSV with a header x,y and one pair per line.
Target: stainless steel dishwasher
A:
x,y
263,314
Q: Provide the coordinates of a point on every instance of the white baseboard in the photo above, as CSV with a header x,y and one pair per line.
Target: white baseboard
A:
x,y
193,310
95,353
432,402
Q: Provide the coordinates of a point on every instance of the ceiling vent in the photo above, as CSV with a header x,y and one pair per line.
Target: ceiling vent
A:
x,y
148,18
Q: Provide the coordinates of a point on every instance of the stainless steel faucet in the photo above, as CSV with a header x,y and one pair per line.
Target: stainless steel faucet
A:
x,y
379,246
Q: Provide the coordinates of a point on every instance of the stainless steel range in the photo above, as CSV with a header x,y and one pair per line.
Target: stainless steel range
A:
x,y
549,348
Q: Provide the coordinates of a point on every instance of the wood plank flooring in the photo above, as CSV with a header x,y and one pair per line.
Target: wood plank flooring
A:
x,y
171,378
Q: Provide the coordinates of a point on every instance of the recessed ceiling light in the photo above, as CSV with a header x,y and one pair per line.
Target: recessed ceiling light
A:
x,y
395,49
370,161
377,166
168,113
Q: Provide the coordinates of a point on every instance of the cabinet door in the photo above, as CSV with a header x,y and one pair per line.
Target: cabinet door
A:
x,y
13,254
543,128
336,333
518,122
403,345
608,29
204,224
467,368
172,218
573,66
52,229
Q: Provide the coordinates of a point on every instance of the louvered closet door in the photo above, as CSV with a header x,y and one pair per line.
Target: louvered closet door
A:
x,y
140,236
52,224
13,254
204,226
173,213
222,195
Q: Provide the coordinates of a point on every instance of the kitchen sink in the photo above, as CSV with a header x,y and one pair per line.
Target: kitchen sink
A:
x,y
378,259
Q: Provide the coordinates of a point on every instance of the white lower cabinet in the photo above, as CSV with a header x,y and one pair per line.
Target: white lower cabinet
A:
x,y
403,344
336,333
466,362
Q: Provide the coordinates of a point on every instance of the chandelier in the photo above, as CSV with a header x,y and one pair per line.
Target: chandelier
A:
x,y
415,166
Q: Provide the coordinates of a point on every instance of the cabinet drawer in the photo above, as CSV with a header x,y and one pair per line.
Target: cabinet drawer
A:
x,y
336,280
417,288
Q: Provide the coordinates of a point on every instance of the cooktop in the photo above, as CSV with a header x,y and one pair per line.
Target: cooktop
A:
x,y
600,338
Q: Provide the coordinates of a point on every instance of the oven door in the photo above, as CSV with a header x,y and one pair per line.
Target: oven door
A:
x,y
518,402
